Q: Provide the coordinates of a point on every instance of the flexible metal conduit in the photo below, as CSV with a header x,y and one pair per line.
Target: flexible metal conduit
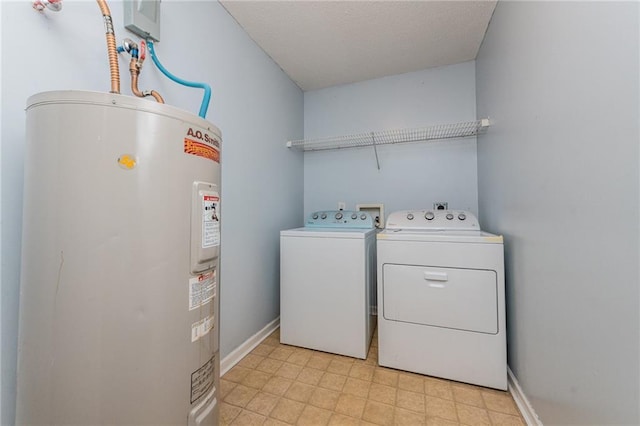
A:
x,y
111,46
207,89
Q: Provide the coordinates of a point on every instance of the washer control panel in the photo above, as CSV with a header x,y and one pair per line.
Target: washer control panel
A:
x,y
434,220
339,219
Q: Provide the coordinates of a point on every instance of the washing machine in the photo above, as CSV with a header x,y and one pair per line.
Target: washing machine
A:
x,y
441,302
328,283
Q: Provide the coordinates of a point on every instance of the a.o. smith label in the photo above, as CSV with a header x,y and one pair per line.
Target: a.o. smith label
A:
x,y
203,137
202,380
200,143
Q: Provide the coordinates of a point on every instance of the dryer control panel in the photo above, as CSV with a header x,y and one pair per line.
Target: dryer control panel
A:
x,y
340,219
433,220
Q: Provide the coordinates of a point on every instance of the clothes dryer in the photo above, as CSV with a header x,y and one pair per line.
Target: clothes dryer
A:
x,y
441,301
327,283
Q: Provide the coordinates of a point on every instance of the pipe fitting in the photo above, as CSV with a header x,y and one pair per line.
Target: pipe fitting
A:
x,y
128,45
52,5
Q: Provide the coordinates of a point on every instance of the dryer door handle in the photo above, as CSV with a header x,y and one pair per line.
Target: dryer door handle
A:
x,y
436,276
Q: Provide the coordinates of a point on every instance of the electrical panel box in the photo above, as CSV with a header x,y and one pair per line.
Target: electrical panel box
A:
x,y
142,17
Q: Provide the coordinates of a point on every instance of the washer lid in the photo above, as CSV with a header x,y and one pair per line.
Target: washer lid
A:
x,y
439,236
328,232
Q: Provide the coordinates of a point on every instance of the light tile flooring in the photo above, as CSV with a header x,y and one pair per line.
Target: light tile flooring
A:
x,y
278,384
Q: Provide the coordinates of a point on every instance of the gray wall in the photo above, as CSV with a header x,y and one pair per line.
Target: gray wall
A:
x,y
412,175
558,176
254,103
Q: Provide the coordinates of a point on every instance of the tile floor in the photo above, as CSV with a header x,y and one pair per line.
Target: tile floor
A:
x,y
278,384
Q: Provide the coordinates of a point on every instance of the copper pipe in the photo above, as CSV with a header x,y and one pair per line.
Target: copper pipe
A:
x,y
111,46
157,96
134,69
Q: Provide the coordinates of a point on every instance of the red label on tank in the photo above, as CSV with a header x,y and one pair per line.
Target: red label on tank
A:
x,y
201,150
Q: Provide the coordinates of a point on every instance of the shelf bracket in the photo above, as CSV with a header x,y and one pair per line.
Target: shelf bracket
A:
x,y
375,149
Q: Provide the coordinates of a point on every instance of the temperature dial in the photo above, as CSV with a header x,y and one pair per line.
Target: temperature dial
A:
x,y
449,216
363,216
410,216
429,216
462,216
324,216
354,216
338,216
315,215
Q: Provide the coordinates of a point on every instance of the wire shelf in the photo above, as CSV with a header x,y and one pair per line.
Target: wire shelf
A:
x,y
386,137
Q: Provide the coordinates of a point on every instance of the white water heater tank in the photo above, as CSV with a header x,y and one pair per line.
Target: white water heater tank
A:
x,y
119,286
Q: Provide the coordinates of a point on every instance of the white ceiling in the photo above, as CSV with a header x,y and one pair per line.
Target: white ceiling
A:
x,y
326,43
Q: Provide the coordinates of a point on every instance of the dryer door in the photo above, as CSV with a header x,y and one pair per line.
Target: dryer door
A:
x,y
463,299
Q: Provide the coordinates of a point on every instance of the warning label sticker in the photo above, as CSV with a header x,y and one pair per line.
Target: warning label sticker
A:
x,y
210,221
202,289
201,328
201,150
202,380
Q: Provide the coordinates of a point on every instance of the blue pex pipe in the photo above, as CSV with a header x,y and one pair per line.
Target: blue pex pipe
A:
x,y
207,89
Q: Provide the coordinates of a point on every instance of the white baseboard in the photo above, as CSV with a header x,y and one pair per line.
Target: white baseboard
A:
x,y
521,400
238,353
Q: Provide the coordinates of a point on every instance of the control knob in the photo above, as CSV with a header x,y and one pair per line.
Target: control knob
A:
x,y
338,216
323,216
354,216
429,216
449,216
462,216
410,216
315,215
363,216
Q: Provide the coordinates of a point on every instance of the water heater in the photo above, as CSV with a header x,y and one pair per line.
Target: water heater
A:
x,y
119,287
